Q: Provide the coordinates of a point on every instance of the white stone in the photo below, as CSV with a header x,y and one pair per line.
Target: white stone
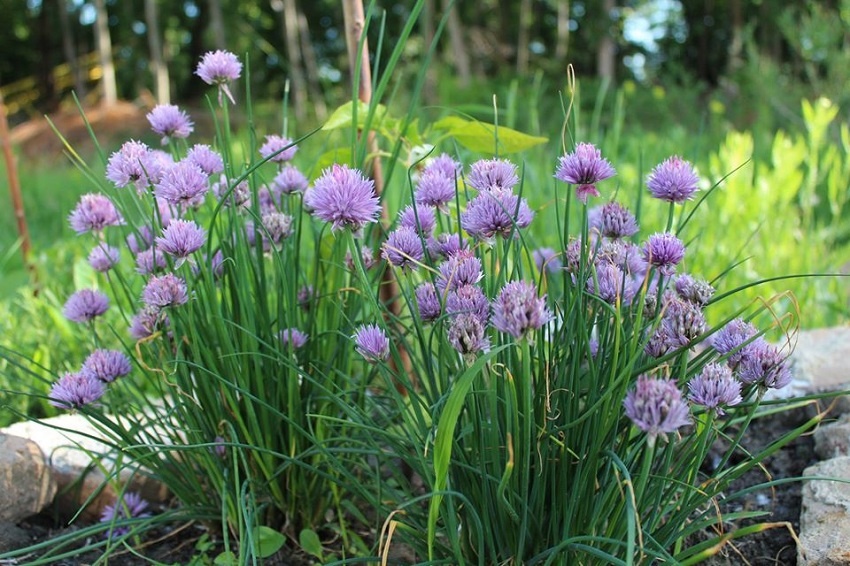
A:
x,y
825,519
833,440
26,483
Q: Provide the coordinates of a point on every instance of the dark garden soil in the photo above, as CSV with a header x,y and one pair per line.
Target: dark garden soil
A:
x,y
776,546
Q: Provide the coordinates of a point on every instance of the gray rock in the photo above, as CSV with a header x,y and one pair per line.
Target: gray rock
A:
x,y
820,360
67,441
825,520
26,482
833,440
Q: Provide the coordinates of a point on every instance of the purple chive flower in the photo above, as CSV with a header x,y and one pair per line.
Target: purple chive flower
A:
x,y
274,146
147,321
133,163
218,68
682,322
693,290
165,291
240,195
344,197
610,284
518,310
183,184
306,296
420,218
206,159
278,226
548,259
615,221
85,305
366,255
403,248
181,238
764,364
107,365
445,245
584,167
290,180
74,390
93,213
427,302
131,506
495,212
673,180
656,407
292,337
462,268
664,251
214,264
372,343
715,387
169,121
731,339
490,174
467,334
150,261
104,257
140,240
468,299
443,165
434,189
220,448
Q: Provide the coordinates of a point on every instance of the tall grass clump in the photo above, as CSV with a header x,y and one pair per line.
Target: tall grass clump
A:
x,y
509,402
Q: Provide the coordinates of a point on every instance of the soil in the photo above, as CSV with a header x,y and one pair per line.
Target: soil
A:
x,y
776,546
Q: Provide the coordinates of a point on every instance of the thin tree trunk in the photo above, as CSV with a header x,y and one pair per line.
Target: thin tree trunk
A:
x,y
606,53
157,62
523,54
289,26
217,24
460,55
427,22
17,198
317,98
562,46
69,50
104,49
355,21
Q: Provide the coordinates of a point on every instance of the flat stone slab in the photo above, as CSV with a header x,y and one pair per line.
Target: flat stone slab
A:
x,y
70,442
822,358
825,519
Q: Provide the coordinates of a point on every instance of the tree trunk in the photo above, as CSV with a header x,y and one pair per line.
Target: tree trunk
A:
x,y
289,26
69,50
606,53
159,67
317,97
217,24
459,54
563,44
429,88
523,54
104,49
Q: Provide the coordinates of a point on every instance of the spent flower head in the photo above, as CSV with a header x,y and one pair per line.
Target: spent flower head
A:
x,y
372,343
467,334
468,299
584,167
673,180
656,407
344,197
85,305
169,121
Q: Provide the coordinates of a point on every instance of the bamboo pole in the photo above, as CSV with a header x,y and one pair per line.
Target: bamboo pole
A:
x,y
15,191
355,22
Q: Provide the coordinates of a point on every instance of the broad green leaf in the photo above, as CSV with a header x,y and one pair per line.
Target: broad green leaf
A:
x,y
310,543
482,137
342,117
225,559
267,541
